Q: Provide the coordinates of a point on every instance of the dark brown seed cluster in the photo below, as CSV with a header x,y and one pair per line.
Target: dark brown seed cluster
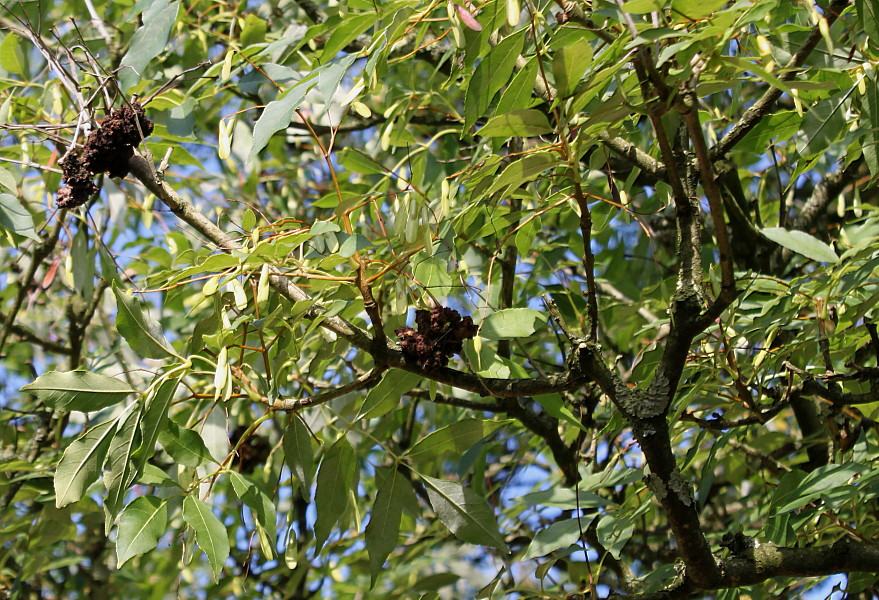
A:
x,y
253,452
106,150
440,334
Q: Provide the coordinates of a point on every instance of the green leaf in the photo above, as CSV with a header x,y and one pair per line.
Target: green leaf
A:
x,y
511,323
569,64
517,123
614,532
433,274
184,445
492,73
464,512
263,510
823,125
870,123
141,524
868,18
518,94
801,243
7,179
523,170
330,77
334,480
555,406
120,468
78,390
565,499
148,41
774,128
253,31
299,453
12,56
695,10
386,395
383,528
140,330
82,462
210,533
560,534
278,114
795,492
457,437
15,218
641,7
155,417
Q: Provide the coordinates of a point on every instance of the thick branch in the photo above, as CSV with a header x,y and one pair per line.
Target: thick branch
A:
x,y
766,561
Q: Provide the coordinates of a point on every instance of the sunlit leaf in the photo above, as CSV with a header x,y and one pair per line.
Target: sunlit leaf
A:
x,y
78,390
801,243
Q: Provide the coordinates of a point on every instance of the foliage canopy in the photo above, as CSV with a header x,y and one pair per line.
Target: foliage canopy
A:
x,y
429,299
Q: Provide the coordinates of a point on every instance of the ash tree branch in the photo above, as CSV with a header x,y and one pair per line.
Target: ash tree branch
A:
x,y
646,410
388,356
767,561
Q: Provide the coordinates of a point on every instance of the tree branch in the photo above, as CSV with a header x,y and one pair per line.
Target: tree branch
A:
x,y
389,356
766,561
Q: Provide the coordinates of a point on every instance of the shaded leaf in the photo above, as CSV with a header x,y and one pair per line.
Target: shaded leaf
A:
x,y
433,273
464,512
334,480
564,498
383,528
140,330
82,463
210,534
299,453
457,437
263,510
184,445
120,467
491,74
823,125
796,491
569,63
155,416
278,114
15,218
141,524
525,169
149,40
386,395
560,534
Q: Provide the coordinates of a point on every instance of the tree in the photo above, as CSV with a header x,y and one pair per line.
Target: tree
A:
x,y
408,299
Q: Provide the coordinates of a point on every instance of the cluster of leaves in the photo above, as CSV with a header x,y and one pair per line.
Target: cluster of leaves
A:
x,y
686,189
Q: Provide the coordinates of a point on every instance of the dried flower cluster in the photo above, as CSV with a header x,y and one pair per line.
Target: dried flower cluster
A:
x,y
107,149
440,334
